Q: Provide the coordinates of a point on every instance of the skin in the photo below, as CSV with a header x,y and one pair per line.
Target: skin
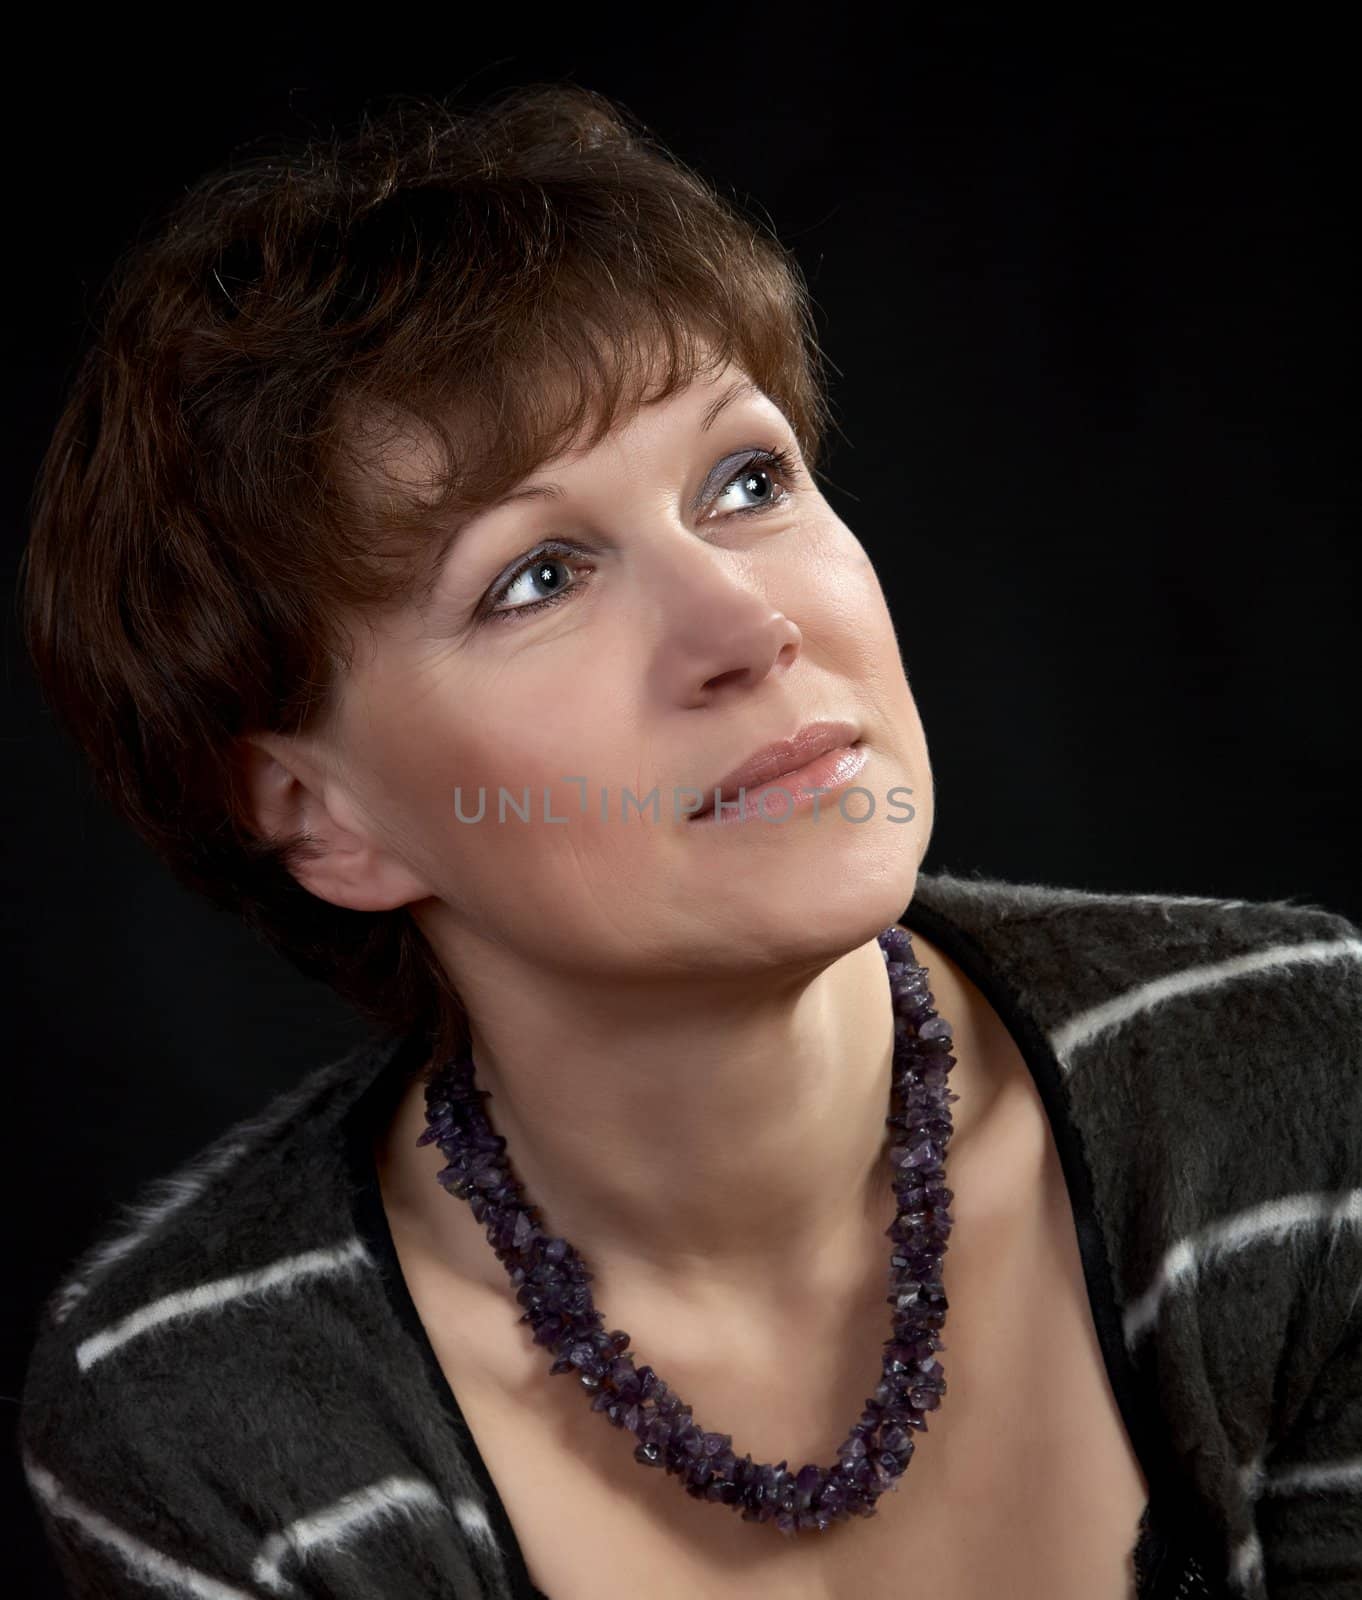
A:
x,y
686,1031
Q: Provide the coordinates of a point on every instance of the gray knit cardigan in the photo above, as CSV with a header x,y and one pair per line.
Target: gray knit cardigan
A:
x,y
231,1394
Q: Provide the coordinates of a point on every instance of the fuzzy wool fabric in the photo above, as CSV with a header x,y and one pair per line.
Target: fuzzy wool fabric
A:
x,y
230,1393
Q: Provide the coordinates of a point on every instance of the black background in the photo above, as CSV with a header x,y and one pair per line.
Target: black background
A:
x,y
1083,291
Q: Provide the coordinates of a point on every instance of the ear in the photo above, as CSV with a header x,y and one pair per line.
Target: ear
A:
x,y
288,793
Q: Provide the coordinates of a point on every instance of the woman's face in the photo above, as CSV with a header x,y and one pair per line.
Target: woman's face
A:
x,y
704,604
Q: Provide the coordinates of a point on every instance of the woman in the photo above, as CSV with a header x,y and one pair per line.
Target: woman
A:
x,y
483,638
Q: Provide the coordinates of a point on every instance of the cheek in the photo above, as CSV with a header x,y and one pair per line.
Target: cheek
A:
x,y
446,757
843,603
856,612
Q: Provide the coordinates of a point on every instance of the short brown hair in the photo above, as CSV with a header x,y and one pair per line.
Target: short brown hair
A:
x,y
199,531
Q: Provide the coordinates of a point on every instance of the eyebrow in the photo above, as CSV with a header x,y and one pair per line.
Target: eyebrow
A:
x,y
739,390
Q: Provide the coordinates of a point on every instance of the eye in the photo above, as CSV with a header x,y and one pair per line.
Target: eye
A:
x,y
537,569
767,474
777,467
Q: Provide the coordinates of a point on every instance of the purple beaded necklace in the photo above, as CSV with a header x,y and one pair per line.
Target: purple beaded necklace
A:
x,y
551,1282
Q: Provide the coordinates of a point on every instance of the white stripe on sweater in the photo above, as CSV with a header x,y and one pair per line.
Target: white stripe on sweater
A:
x,y
1086,1025
162,1197
167,1196
151,1567
1278,1220
1345,1475
1246,1556
210,1297
339,1523
473,1521
1010,894
1246,1562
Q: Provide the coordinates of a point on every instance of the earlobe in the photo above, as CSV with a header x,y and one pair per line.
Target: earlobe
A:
x,y
361,877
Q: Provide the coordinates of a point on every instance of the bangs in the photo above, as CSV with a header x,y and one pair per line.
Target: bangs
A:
x,y
570,368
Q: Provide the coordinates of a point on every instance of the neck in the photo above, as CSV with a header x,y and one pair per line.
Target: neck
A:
x,y
693,1145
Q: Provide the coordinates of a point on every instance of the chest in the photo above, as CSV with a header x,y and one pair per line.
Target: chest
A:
x,y
1025,1484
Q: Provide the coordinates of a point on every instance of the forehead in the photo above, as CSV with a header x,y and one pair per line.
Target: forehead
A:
x,y
403,455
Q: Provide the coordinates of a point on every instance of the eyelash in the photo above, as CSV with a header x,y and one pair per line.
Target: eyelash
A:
x,y
779,464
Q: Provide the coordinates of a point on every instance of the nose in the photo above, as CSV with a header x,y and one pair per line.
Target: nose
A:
x,y
719,629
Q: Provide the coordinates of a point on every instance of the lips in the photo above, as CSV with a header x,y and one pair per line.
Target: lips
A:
x,y
776,760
